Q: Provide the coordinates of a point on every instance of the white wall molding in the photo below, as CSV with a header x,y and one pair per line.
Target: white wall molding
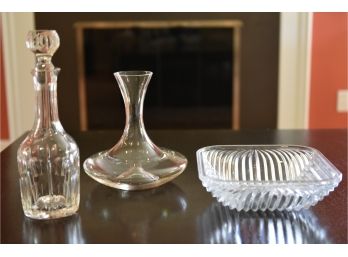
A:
x,y
294,70
18,62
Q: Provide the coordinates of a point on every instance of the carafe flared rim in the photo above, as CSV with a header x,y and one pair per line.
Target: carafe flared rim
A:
x,y
133,73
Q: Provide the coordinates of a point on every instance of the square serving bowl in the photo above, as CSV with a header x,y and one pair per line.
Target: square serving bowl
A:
x,y
266,177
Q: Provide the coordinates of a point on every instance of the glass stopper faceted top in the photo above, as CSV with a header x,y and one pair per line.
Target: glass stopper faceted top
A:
x,y
135,162
43,42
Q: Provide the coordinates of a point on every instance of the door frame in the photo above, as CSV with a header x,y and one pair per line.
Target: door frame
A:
x,y
295,50
18,62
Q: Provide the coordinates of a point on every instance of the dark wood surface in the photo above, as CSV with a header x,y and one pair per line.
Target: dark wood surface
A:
x,y
180,211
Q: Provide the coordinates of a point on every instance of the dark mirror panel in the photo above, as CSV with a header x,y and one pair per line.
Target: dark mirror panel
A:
x,y
192,82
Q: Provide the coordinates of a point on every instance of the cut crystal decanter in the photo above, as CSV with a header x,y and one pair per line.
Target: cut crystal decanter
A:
x,y
48,158
135,162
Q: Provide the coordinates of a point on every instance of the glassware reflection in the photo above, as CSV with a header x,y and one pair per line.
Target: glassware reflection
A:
x,y
219,224
135,212
65,230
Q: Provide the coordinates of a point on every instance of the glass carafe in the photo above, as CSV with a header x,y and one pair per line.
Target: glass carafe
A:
x,y
135,162
48,158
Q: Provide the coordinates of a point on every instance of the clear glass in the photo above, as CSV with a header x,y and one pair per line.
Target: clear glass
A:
x,y
266,177
48,158
135,162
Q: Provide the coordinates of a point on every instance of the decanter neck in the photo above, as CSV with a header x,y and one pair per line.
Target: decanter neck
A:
x,y
134,128
133,87
45,85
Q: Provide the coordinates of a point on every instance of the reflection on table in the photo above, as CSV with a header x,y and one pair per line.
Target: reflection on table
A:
x,y
46,231
219,224
134,212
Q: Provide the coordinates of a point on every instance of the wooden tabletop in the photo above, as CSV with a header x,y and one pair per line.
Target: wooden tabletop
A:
x,y
181,211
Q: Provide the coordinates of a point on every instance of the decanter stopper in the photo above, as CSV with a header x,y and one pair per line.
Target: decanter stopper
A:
x,y
43,43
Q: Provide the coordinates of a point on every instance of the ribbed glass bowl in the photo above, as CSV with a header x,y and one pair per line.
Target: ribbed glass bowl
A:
x,y
266,177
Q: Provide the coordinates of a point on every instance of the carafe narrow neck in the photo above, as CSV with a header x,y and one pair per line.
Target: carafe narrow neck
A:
x,y
133,88
134,114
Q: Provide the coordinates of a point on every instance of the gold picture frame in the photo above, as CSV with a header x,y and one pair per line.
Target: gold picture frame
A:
x,y
235,26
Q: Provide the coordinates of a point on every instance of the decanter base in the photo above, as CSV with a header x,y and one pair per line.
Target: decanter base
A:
x,y
129,175
50,207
